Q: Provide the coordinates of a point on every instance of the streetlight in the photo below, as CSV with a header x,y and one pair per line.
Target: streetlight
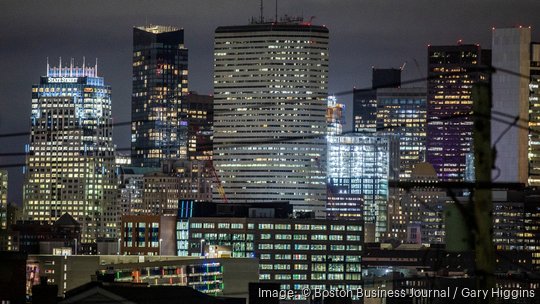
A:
x,y
160,240
75,246
202,247
118,251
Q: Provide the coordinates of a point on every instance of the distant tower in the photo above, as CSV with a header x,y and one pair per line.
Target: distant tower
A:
x,y
70,162
452,72
3,203
365,100
534,117
160,80
402,111
270,101
334,116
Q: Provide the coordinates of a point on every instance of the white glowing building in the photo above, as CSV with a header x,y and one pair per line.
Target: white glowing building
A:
x,y
70,158
270,101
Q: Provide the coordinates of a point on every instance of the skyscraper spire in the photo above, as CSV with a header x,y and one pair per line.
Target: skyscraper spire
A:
x,y
71,67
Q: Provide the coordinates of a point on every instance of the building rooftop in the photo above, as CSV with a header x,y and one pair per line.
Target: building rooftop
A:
x,y
138,294
66,220
158,29
274,26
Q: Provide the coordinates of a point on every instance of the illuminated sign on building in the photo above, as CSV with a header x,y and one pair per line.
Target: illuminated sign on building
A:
x,y
62,80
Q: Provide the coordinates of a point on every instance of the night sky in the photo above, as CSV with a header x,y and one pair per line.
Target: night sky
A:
x,y
363,33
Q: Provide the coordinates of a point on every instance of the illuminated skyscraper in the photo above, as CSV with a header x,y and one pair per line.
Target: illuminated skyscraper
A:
x,y
160,79
359,168
5,242
200,114
270,100
452,72
334,116
3,199
70,161
534,117
365,100
402,111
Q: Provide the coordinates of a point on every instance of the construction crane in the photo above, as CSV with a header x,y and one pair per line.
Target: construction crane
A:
x,y
217,182
210,164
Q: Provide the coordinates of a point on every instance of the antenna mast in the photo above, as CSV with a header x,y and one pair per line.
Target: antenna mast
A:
x,y
276,11
261,19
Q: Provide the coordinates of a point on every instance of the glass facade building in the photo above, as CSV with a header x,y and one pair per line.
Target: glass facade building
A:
x,y
334,116
534,117
200,112
3,202
365,100
70,159
452,72
361,165
160,80
402,111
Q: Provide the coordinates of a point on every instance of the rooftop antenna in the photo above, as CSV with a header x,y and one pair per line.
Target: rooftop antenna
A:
x,y
95,69
47,66
60,66
71,67
83,64
276,11
261,19
402,67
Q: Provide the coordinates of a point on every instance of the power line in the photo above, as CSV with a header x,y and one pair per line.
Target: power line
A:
x,y
274,104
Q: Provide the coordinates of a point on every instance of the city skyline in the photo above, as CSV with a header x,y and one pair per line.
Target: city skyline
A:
x,y
356,46
385,150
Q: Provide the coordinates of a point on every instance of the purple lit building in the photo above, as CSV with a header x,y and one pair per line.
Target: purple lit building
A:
x,y
452,72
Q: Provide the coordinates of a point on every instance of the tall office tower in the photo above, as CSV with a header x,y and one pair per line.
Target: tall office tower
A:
x,y
3,199
199,110
534,117
402,111
532,228
70,160
334,116
160,79
365,100
511,52
452,72
270,91
5,243
360,165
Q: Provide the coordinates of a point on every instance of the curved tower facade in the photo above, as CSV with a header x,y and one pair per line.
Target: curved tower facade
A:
x,y
270,101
